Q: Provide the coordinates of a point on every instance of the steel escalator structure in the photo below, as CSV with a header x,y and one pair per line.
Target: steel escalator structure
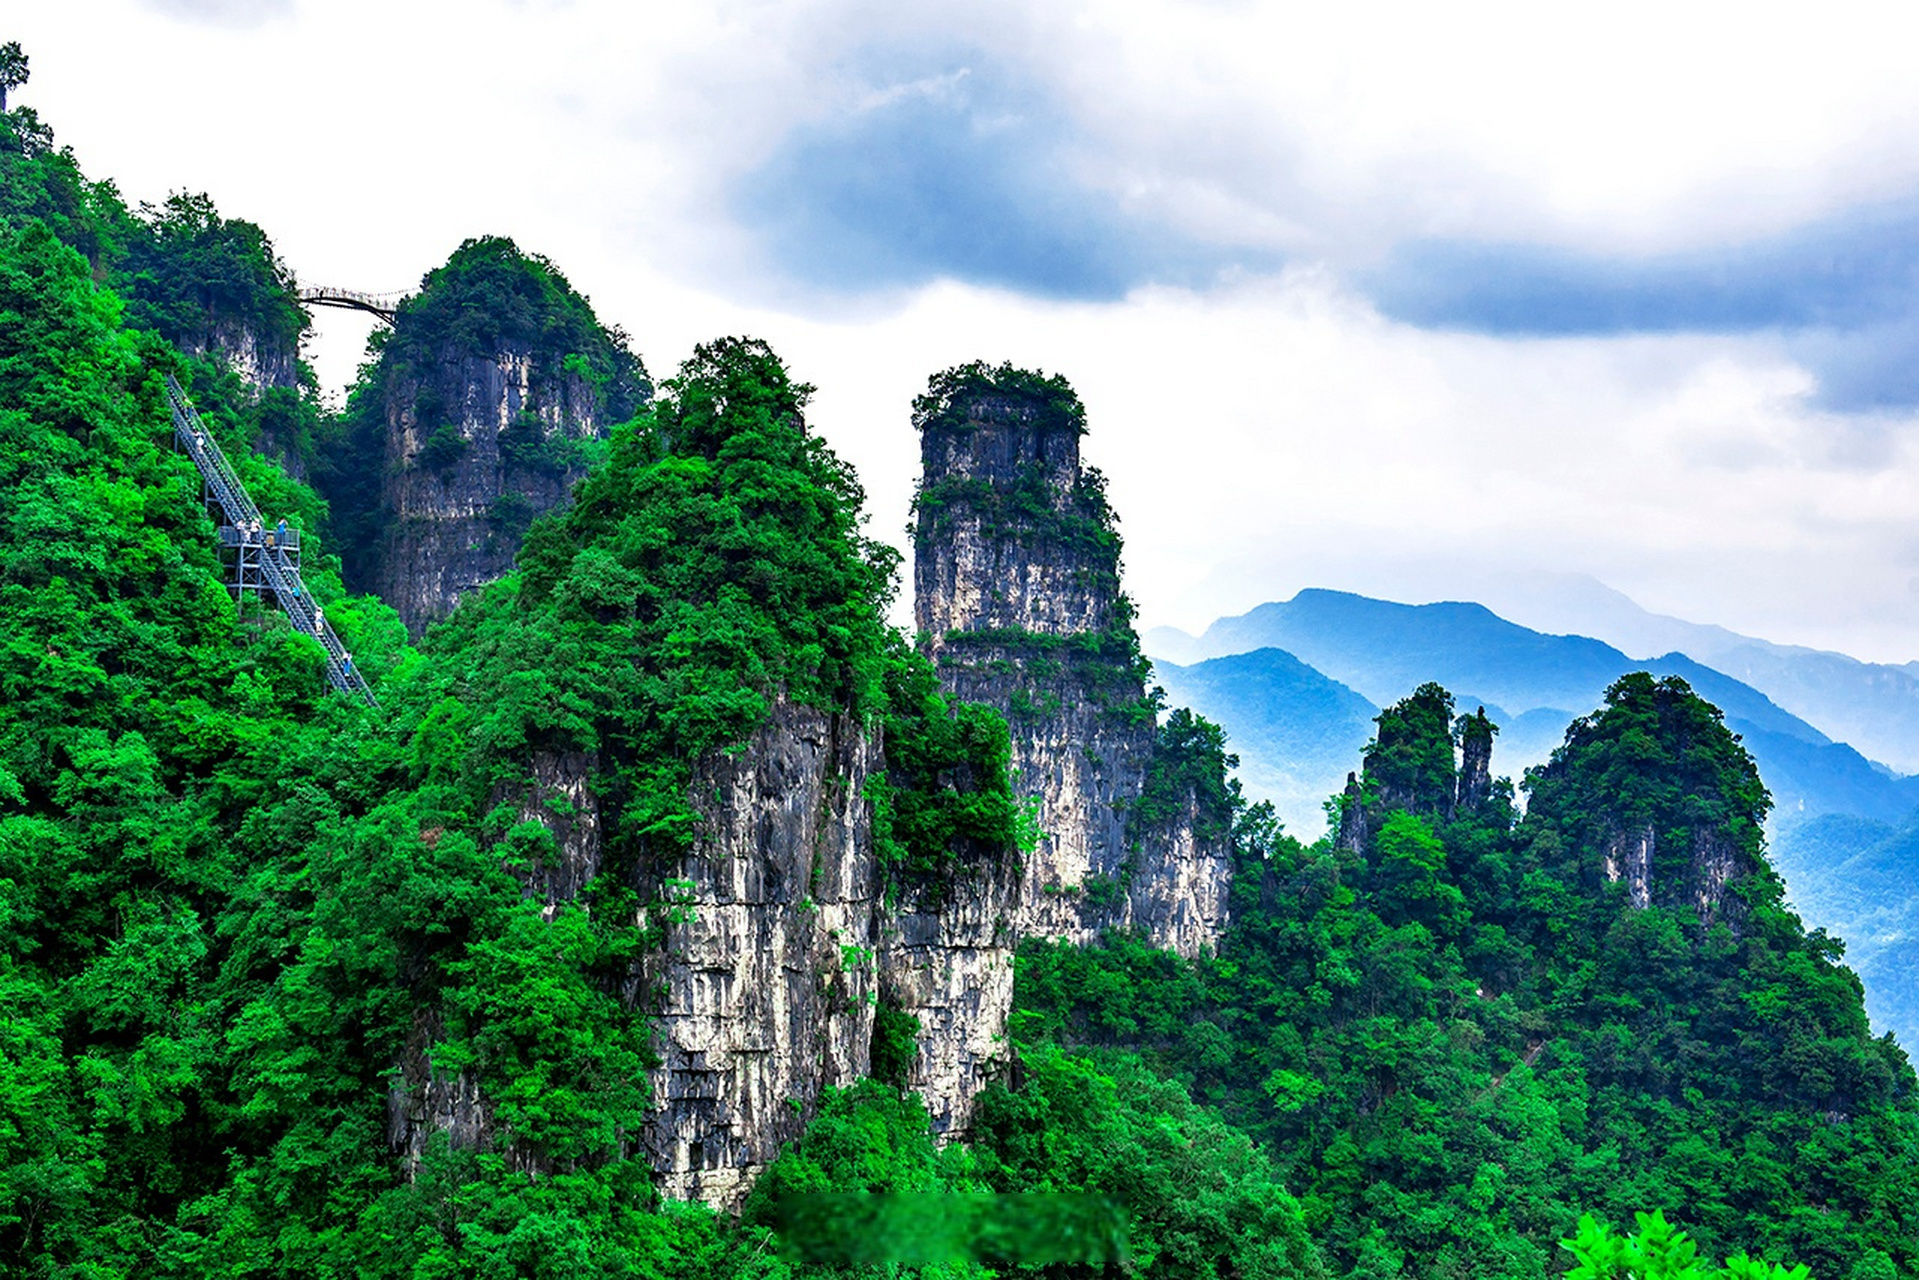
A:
x,y
267,556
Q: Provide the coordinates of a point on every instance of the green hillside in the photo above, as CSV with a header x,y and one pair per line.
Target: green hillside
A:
x,y
231,902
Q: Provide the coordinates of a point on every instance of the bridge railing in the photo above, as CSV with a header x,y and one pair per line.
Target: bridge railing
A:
x,y
384,305
282,575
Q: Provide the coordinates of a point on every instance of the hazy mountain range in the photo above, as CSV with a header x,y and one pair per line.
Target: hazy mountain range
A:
x,y
1296,685
1873,706
1298,723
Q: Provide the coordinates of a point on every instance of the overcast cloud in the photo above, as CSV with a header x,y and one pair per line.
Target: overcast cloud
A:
x,y
1392,299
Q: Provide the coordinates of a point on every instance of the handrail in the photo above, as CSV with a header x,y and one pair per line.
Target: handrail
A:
x,y
384,305
237,508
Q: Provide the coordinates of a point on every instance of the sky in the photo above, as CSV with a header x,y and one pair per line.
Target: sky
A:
x,y
1421,301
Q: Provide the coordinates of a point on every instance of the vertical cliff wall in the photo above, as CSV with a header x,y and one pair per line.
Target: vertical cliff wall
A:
x,y
1017,598
488,400
766,983
261,360
476,446
949,965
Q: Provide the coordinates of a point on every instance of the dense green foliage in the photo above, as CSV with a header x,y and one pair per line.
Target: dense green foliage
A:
x,y
244,924
232,902
197,279
1660,1251
946,796
1657,758
187,273
37,182
951,396
146,747
1409,763
1190,766
1460,1037
1202,1200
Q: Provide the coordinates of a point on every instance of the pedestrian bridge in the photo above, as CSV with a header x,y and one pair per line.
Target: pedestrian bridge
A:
x,y
383,305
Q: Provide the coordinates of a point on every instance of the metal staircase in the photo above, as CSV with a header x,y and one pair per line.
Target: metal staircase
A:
x,y
268,559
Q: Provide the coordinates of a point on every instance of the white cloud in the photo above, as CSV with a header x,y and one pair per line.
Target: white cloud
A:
x,y
1267,434
237,13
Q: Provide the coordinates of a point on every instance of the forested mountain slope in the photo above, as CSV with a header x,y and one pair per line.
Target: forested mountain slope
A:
x,y
290,986
1450,1028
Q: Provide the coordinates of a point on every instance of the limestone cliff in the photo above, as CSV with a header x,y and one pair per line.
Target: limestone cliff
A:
x,y
781,933
476,446
1475,735
262,360
767,980
1017,598
215,288
763,986
486,403
268,365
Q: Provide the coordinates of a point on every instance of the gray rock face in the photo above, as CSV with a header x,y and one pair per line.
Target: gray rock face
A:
x,y
424,1099
1355,831
768,978
466,471
1714,860
262,365
980,572
764,988
1628,857
951,967
561,799
1016,587
1475,763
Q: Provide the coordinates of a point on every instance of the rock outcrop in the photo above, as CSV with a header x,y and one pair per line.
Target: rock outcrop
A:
x,y
485,406
1017,599
780,934
477,444
767,981
951,968
1475,734
1655,794
262,362
1628,857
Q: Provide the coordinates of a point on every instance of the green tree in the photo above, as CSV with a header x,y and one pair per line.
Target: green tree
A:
x,y
1658,1251
13,70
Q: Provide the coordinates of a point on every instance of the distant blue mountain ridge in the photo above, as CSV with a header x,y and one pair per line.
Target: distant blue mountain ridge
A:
x,y
1296,685
1297,719
1872,706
